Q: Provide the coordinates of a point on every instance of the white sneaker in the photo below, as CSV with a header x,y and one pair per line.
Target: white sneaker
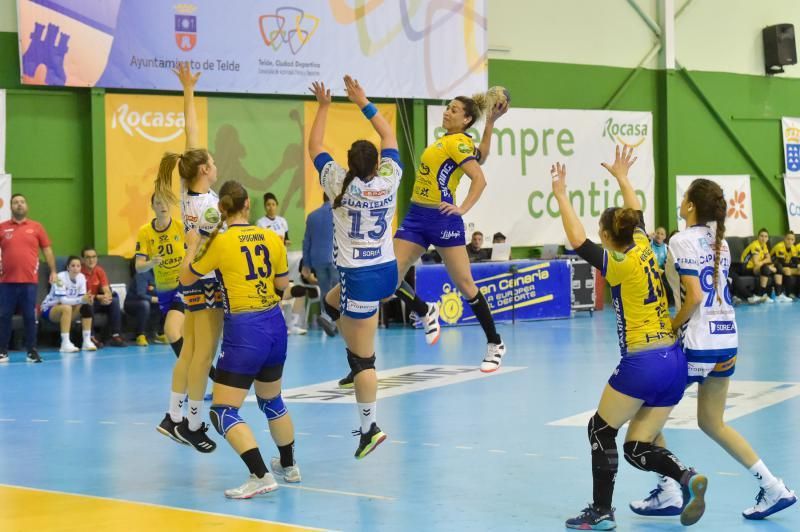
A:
x,y
666,499
754,299
431,324
289,474
737,300
88,345
68,347
253,486
771,501
766,299
297,330
494,357
783,299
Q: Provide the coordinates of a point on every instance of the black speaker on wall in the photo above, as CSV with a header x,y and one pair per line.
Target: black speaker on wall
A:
x,y
779,47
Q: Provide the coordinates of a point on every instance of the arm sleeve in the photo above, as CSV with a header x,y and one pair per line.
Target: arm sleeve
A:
x,y
685,258
281,262
459,148
331,175
593,254
44,240
210,259
142,247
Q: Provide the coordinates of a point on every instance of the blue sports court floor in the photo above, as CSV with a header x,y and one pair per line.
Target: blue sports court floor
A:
x,y
465,452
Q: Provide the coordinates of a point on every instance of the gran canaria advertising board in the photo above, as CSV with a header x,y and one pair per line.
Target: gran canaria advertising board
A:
x,y
526,142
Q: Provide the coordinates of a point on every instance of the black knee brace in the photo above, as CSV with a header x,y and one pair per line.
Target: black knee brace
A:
x,y
297,291
648,457
86,311
603,439
359,364
332,311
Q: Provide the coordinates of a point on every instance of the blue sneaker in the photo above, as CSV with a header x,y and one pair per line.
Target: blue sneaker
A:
x,y
769,502
694,495
591,518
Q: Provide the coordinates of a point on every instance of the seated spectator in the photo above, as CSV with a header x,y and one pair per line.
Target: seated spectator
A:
x,y
68,298
659,245
431,257
498,238
757,262
474,248
786,258
105,300
141,304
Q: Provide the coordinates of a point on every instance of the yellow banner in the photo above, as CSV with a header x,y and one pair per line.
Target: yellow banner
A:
x,y
139,130
345,125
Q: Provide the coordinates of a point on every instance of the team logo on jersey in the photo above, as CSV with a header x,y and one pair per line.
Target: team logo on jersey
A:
x,y
211,215
722,327
450,306
185,27
424,169
629,134
386,170
464,148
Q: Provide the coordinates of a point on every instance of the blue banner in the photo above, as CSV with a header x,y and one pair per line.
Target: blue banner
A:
x,y
524,290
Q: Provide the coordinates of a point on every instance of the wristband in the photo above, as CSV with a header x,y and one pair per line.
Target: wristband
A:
x,y
369,110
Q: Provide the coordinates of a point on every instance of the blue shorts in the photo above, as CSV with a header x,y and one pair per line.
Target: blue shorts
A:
x,y
364,288
658,377
427,226
170,300
717,363
202,295
253,341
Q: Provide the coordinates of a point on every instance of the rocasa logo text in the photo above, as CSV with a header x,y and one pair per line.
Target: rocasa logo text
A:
x,y
155,126
629,134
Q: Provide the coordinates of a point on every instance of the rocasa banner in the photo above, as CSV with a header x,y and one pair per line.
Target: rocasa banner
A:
x,y
735,189
260,143
526,142
790,129
520,290
413,49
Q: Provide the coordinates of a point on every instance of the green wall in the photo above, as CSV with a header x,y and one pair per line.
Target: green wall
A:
x,y
704,123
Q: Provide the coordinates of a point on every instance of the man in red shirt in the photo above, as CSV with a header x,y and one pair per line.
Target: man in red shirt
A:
x,y
20,240
105,300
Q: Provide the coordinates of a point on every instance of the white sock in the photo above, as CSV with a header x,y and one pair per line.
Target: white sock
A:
x,y
765,478
176,406
296,320
368,415
194,415
87,336
65,338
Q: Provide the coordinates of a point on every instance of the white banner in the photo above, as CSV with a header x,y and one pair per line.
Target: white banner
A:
x,y
518,199
736,189
790,128
793,203
5,197
419,49
2,131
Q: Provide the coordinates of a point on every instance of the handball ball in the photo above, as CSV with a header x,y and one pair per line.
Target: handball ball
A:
x,y
498,94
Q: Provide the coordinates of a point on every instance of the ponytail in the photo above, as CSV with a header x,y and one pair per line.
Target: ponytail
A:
x,y
362,160
348,178
709,201
620,222
164,179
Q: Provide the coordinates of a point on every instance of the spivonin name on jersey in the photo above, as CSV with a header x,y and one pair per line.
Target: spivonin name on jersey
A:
x,y
711,329
363,224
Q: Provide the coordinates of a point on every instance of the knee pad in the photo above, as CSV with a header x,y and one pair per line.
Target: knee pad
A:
x,y
224,418
636,453
272,408
603,439
297,291
359,364
86,311
331,311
